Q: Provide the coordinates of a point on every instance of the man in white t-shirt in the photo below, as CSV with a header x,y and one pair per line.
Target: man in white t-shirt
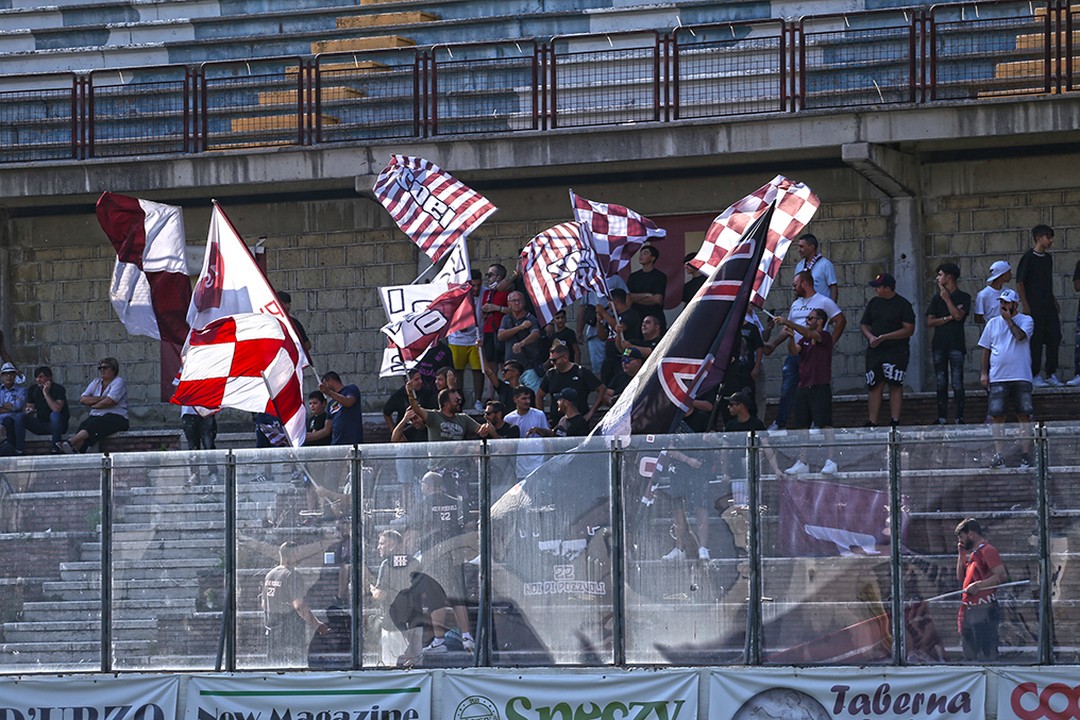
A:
x,y
1006,371
818,265
986,301
806,299
525,417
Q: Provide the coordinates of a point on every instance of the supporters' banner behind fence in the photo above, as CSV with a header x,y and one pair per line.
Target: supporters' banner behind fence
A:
x,y
1042,693
620,695
847,693
429,205
372,696
125,697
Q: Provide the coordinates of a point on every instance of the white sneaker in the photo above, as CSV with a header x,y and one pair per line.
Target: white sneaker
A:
x,y
797,468
675,554
703,553
433,648
1053,381
776,431
478,406
1038,381
1075,382
468,643
829,468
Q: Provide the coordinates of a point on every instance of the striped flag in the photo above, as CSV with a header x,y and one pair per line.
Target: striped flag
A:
x,y
429,205
248,361
559,265
795,205
617,232
150,285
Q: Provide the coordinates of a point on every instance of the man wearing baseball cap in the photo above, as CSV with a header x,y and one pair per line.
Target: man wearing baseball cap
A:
x,y
986,301
887,323
1006,371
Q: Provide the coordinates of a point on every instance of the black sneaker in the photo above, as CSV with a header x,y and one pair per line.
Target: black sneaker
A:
x,y
997,461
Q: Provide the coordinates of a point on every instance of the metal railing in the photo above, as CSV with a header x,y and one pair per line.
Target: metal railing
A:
x,y
950,52
155,561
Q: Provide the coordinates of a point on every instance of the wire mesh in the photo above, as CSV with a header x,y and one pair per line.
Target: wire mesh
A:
x,y
485,88
990,50
845,65
253,104
133,113
729,70
36,121
367,96
598,81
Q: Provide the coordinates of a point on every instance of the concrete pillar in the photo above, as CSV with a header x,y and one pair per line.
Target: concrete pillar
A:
x,y
897,176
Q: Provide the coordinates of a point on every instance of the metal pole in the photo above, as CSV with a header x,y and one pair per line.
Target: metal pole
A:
x,y
899,650
753,611
618,555
482,657
106,563
230,562
1046,616
356,551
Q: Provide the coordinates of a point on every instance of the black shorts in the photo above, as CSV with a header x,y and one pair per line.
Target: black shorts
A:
x,y
813,405
886,368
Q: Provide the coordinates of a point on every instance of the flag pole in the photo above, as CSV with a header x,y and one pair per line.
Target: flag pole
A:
x,y
958,592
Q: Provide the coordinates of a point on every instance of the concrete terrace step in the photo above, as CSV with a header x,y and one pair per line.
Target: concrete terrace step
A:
x,y
61,631
130,570
72,610
359,22
377,42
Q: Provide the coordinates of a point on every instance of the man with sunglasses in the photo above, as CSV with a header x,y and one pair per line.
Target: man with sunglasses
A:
x,y
495,427
506,387
566,374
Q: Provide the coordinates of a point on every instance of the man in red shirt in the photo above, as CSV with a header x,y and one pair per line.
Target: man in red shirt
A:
x,y
980,569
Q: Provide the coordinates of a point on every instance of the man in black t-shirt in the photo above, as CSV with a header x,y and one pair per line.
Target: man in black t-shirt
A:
x,y
47,410
395,406
648,286
571,423
565,374
887,323
1035,285
946,313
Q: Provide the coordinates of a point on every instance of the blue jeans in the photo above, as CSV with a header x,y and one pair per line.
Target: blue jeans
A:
x,y
15,424
596,355
56,425
788,382
949,366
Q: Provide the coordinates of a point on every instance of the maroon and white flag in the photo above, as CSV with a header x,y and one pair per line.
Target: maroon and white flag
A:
x,y
417,331
559,265
795,205
231,283
617,232
249,361
429,205
150,285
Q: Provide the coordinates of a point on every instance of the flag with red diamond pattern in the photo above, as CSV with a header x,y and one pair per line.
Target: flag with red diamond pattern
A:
x,y
617,231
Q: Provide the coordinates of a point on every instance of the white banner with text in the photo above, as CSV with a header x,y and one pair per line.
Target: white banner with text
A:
x,y
125,697
616,695
848,693
1038,694
310,696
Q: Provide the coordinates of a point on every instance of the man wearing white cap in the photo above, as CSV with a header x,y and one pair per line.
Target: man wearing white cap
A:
x,y
12,406
986,302
1006,371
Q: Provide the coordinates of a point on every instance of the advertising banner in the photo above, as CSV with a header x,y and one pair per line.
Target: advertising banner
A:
x,y
848,694
373,696
103,698
617,695
1038,694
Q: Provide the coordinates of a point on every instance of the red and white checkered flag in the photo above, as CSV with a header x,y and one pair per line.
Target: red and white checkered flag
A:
x,y
795,206
559,266
247,362
429,205
617,232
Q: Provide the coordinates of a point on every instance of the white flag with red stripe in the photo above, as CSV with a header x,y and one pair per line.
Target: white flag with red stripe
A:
x,y
429,205
417,331
617,231
249,361
231,283
559,265
150,285
795,206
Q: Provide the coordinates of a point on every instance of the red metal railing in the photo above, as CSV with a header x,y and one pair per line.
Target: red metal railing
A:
x,y
951,52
